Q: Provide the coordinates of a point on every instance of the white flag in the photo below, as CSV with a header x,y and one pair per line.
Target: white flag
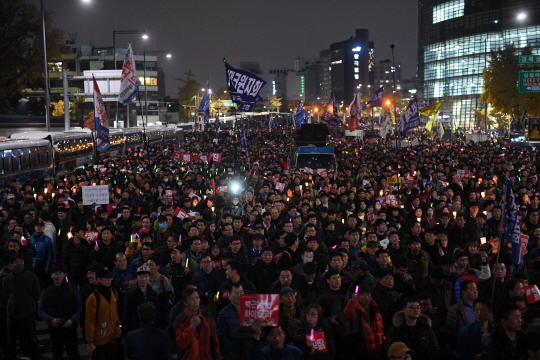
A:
x,y
387,125
129,83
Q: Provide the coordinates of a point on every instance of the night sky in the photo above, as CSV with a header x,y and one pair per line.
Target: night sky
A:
x,y
273,32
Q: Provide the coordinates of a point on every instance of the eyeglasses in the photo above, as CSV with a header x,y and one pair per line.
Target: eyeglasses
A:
x,y
413,307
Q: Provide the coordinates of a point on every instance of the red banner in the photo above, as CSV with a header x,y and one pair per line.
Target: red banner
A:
x,y
410,184
532,294
464,174
372,141
524,241
388,201
110,208
179,213
204,158
216,157
221,189
370,217
280,186
319,341
259,306
308,170
175,157
91,235
187,157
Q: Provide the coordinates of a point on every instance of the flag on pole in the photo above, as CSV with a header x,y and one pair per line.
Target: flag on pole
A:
x,y
512,232
300,114
387,125
101,119
277,122
269,121
243,138
204,106
431,110
354,110
129,82
243,87
441,130
218,124
411,119
330,116
429,127
375,100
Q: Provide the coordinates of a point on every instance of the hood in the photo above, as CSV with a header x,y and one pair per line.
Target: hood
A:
x,y
399,319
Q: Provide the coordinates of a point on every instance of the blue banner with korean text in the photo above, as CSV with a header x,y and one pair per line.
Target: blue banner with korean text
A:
x,y
243,87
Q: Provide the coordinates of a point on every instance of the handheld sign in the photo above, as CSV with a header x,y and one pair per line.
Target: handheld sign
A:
x,y
98,194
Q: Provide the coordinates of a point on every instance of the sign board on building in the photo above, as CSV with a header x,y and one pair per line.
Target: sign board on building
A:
x,y
529,81
529,59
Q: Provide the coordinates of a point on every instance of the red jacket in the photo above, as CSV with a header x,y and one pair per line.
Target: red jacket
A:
x,y
198,345
372,331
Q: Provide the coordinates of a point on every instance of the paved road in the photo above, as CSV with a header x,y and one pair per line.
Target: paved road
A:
x,y
45,344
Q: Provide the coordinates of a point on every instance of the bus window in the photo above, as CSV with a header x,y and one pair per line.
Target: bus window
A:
x,y
43,156
8,168
34,157
1,163
16,160
25,159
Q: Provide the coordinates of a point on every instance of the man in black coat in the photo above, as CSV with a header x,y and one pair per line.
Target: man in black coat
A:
x,y
147,342
61,306
137,295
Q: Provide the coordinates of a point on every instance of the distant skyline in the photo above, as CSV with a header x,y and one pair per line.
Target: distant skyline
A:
x,y
273,32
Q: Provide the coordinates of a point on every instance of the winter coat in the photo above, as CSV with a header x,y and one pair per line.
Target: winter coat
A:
x,y
371,326
45,251
200,344
22,292
75,257
95,330
421,339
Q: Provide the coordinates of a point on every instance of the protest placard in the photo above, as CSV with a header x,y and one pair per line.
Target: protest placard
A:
x,y
259,306
98,194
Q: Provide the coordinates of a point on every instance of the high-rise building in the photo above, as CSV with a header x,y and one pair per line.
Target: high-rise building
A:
x,y
350,63
383,75
454,41
325,76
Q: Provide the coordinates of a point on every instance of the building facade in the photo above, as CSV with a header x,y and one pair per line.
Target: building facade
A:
x,y
350,65
454,41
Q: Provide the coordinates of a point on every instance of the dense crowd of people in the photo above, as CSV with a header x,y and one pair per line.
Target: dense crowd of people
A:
x,y
161,271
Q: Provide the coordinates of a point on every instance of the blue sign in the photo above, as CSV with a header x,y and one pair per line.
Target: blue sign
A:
x,y
243,87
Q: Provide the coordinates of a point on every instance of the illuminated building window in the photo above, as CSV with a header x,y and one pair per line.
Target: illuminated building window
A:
x,y
151,81
448,10
356,56
356,76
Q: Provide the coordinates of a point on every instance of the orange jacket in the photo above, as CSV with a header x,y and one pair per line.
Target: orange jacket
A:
x,y
372,330
107,328
198,345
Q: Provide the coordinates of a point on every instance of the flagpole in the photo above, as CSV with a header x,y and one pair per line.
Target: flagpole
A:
x,y
395,107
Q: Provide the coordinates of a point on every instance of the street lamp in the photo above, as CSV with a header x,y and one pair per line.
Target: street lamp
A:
x,y
521,16
156,52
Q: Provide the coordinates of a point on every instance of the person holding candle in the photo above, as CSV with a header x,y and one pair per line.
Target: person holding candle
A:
x,y
366,323
313,337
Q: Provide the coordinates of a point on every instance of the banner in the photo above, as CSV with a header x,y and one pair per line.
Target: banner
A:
x,y
387,125
410,184
102,122
221,189
392,181
324,173
259,306
532,294
308,170
388,201
129,82
110,208
179,213
354,110
512,232
91,236
524,241
319,341
98,194
431,110
280,186
370,217
330,116
375,100
204,158
216,157
464,174
411,119
243,87
300,115
187,157
204,107
175,157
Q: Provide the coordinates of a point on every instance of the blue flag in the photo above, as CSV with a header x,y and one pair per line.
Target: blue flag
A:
x,y
330,115
512,232
375,100
204,106
411,119
243,87
277,122
300,115
243,138
269,121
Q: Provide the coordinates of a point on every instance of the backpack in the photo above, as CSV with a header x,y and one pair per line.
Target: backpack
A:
x,y
98,300
279,255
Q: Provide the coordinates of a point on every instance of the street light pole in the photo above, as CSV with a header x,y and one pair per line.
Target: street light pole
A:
x,y
46,73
